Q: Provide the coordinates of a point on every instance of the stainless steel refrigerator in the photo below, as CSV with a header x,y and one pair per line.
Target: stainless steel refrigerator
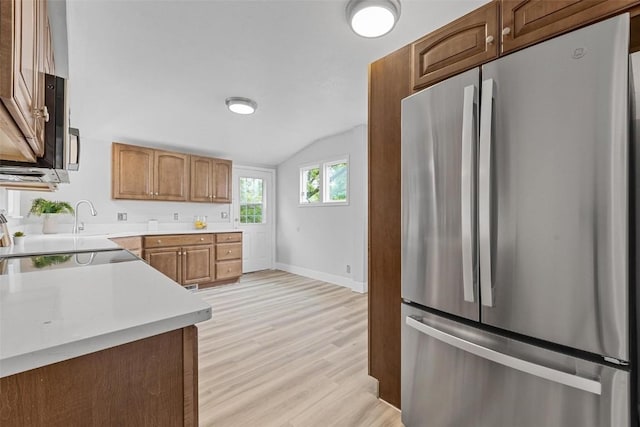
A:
x,y
517,252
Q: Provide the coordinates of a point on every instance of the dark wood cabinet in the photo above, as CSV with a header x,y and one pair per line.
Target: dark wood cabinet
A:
x,y
463,44
148,382
525,22
210,180
389,83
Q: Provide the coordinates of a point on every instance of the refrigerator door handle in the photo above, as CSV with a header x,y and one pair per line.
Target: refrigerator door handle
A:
x,y
484,192
554,375
467,204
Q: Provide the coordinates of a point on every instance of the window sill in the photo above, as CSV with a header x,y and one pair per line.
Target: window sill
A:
x,y
322,205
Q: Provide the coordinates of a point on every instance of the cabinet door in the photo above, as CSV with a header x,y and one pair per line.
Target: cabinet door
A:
x,y
132,172
201,188
167,261
197,264
531,21
19,68
463,44
222,181
171,178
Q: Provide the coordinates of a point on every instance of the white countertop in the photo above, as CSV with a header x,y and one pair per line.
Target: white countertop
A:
x,y
65,243
54,315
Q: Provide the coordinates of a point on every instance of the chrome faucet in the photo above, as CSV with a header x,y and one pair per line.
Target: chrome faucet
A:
x,y
75,214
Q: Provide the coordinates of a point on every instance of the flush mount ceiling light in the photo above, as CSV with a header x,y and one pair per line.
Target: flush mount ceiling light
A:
x,y
241,105
373,18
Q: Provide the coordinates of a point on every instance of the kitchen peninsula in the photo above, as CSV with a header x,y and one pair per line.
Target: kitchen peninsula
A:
x,y
113,341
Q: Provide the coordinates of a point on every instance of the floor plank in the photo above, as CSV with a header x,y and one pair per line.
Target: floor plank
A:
x,y
286,351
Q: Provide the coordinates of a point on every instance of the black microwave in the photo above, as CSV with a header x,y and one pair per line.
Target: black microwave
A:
x,y
61,143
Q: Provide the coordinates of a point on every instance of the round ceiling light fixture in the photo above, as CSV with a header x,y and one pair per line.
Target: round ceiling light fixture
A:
x,y
240,105
373,18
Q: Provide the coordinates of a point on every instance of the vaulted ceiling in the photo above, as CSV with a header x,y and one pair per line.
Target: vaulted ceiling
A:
x,y
158,72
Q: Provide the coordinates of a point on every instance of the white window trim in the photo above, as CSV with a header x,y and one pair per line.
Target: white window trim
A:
x,y
325,182
301,192
322,165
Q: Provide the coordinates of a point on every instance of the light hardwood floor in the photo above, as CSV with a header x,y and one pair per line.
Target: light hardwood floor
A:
x,y
287,351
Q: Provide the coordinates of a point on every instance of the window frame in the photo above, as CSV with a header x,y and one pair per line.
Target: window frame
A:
x,y
324,182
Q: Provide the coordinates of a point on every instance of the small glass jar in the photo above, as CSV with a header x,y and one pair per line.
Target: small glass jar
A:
x,y
200,222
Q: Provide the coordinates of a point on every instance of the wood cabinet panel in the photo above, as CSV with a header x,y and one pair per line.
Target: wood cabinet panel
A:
x,y
171,176
226,251
167,261
222,181
149,382
389,82
165,240
201,179
197,265
132,244
19,77
228,237
525,22
132,170
465,43
228,269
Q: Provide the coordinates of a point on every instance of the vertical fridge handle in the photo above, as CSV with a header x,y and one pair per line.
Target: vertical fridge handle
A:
x,y
484,192
467,202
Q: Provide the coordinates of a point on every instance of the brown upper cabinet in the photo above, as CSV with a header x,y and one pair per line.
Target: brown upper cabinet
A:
x,y
210,180
531,21
141,173
132,172
171,176
463,44
26,52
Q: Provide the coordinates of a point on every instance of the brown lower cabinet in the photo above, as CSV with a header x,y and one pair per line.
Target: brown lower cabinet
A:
x,y
150,382
205,259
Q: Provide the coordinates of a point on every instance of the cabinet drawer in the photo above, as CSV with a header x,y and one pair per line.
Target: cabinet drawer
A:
x,y
228,269
177,240
228,251
228,237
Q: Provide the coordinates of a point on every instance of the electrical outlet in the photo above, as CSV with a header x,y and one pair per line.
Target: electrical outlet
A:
x,y
348,268
224,215
175,216
122,216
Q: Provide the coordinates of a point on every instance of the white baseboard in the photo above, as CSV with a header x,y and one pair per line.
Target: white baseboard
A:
x,y
360,287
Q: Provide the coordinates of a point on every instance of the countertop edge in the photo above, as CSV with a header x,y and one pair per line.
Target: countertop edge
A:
x,y
25,362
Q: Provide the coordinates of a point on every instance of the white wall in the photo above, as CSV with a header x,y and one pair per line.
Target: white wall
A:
x,y
320,241
93,182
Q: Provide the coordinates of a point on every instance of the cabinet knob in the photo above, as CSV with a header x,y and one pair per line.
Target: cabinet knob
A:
x,y
489,39
42,113
184,254
229,251
228,270
159,241
506,31
156,193
214,197
179,253
151,193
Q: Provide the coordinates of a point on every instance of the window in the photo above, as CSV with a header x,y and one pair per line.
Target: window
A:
x,y
326,183
310,184
252,201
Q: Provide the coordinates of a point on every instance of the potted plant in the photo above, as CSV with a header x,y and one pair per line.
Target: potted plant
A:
x,y
48,209
18,238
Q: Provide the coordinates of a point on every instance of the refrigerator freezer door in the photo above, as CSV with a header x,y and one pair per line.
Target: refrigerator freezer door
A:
x,y
456,375
558,191
439,138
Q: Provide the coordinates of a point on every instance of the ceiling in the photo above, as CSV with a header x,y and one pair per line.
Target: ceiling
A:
x,y
158,72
